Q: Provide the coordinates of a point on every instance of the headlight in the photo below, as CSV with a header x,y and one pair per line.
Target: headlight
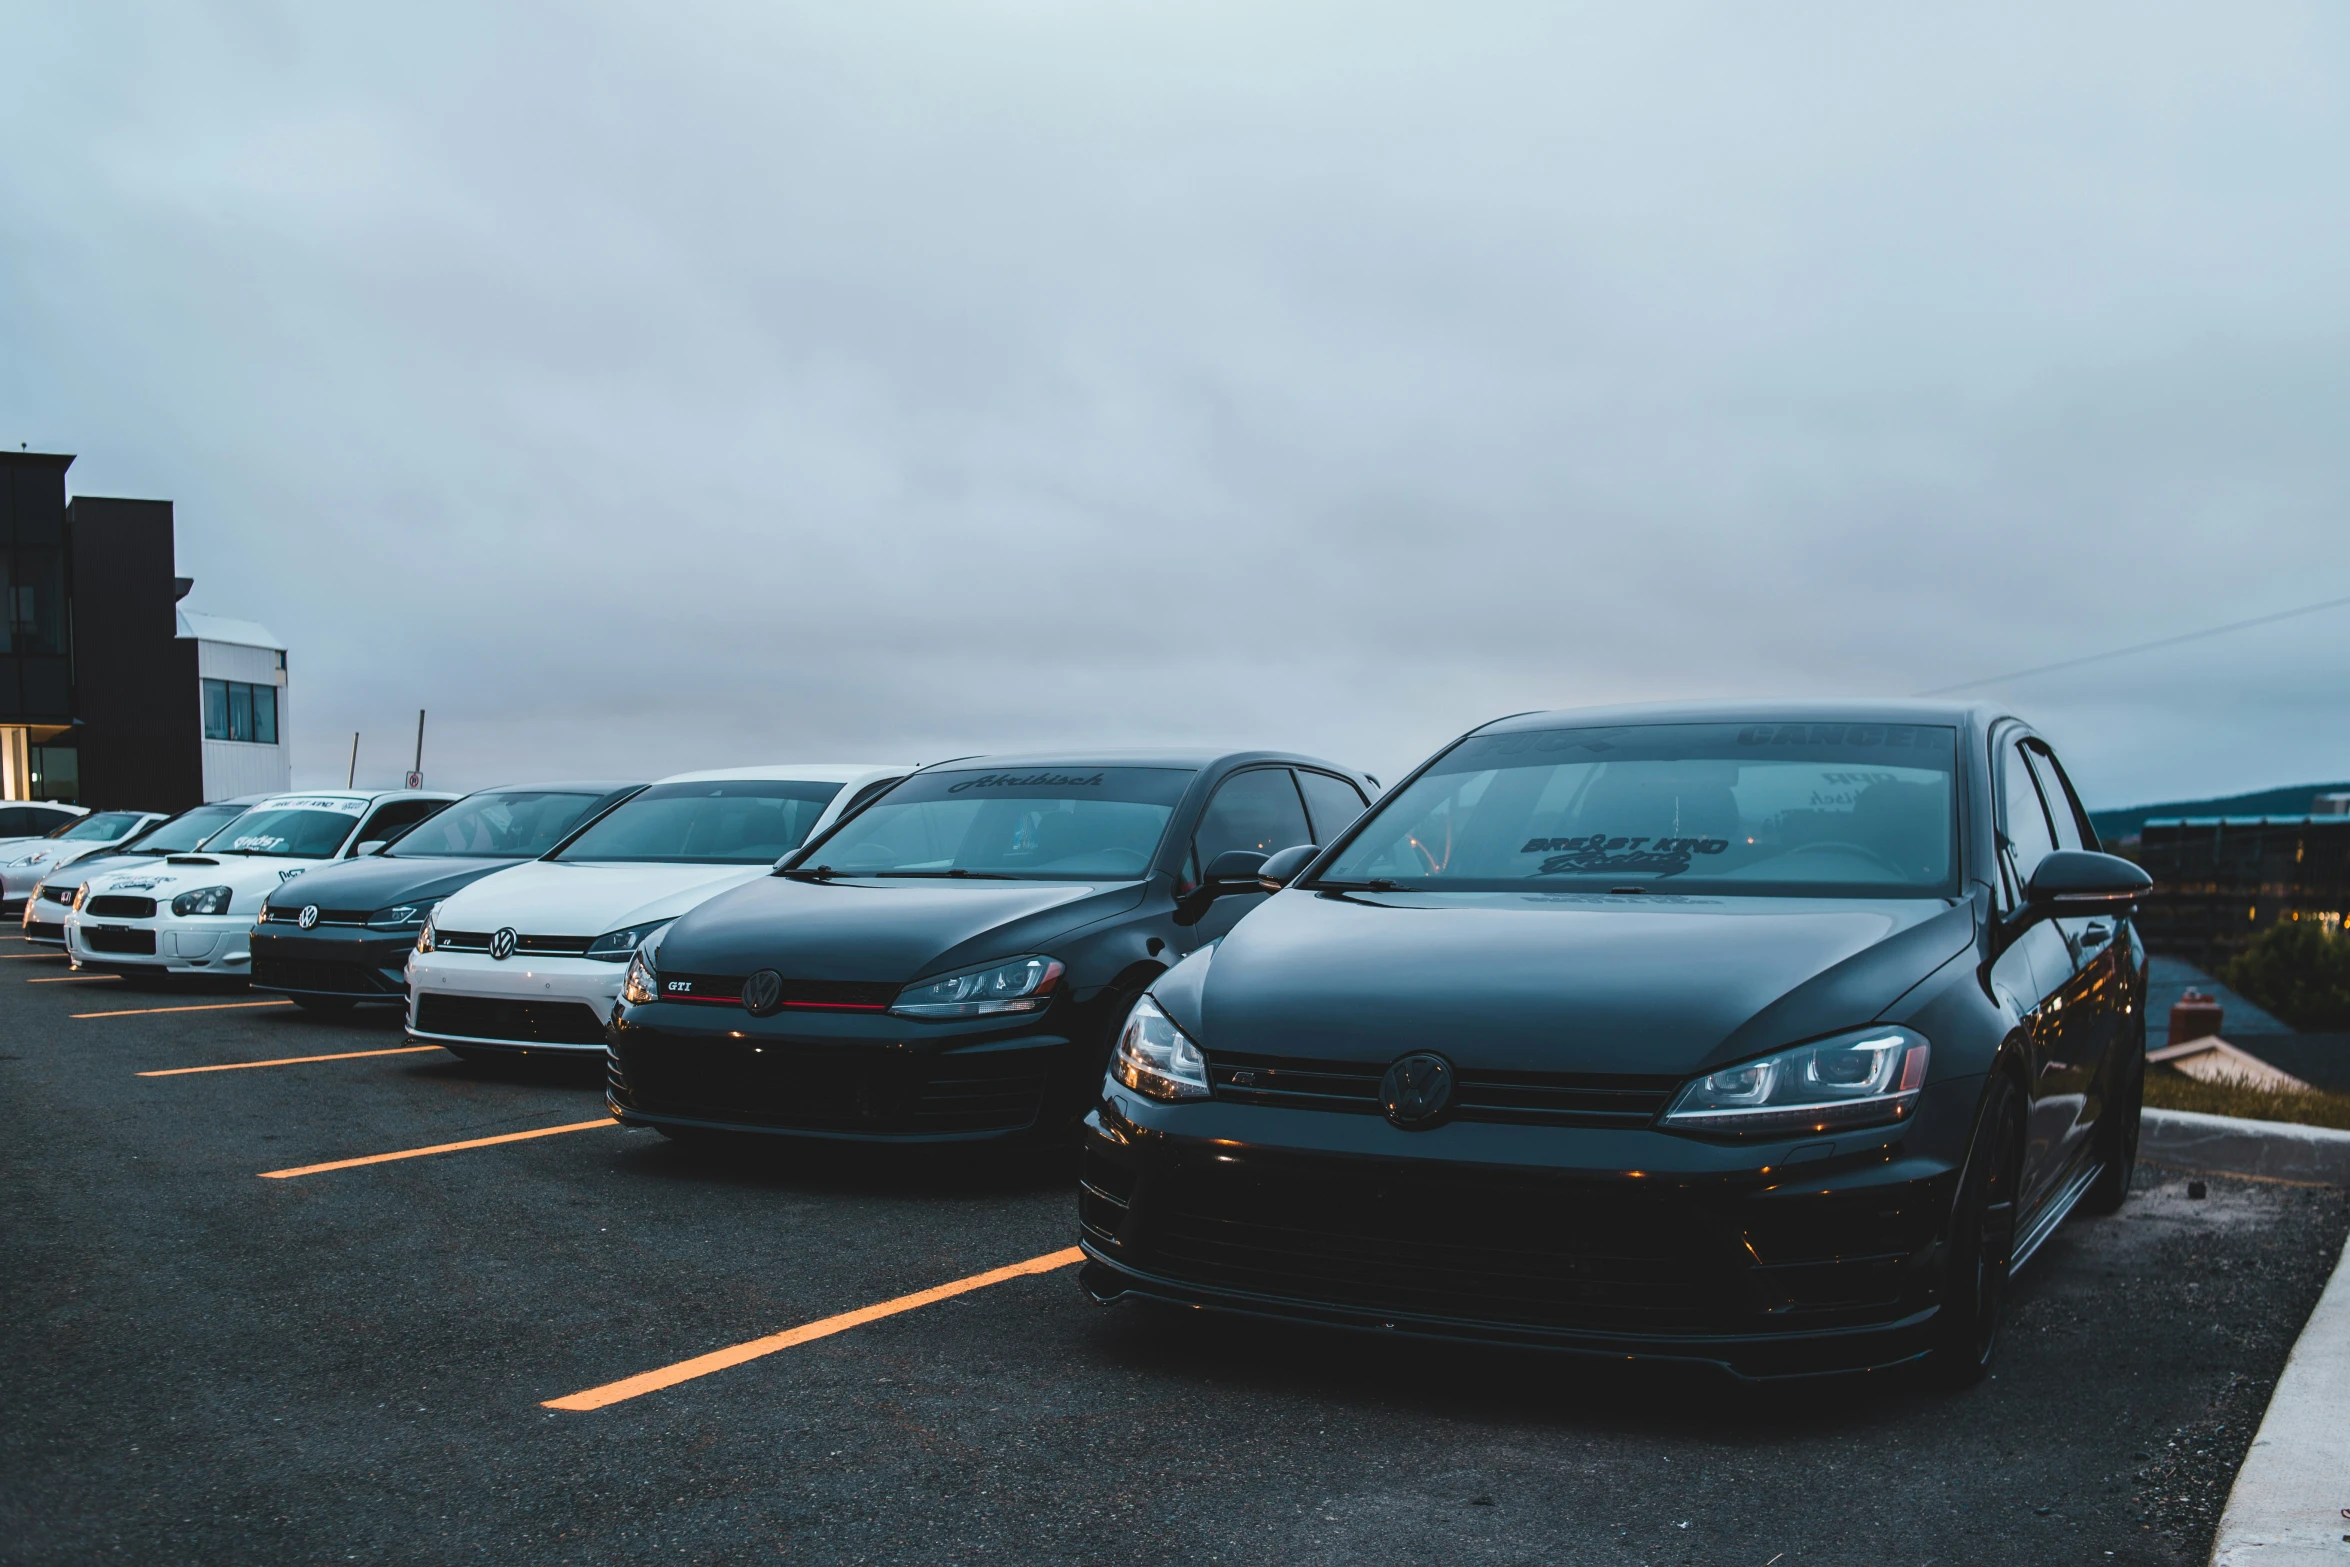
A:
x,y
643,985
79,893
400,916
1864,1078
424,937
614,946
1022,985
204,900
1155,1057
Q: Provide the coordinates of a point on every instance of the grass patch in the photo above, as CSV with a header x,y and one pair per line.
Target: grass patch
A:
x,y
2169,1089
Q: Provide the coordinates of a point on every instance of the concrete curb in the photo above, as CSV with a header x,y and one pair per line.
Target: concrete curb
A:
x,y
2224,1145
2287,1507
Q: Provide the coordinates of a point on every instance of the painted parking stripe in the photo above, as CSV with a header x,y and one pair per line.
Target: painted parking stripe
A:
x,y
419,1153
209,1006
13,956
239,1066
721,1359
70,979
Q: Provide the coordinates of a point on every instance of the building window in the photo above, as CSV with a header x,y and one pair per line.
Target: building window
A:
x,y
234,710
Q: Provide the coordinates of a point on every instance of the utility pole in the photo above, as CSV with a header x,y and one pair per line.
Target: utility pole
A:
x,y
416,773
352,777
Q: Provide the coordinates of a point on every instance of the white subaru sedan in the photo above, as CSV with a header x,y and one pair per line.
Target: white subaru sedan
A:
x,y
531,959
193,913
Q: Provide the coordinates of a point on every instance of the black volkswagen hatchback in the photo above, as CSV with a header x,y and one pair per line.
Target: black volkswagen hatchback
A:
x,y
951,962
1767,1037
340,935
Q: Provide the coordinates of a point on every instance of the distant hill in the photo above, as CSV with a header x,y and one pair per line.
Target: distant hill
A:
x,y
2292,801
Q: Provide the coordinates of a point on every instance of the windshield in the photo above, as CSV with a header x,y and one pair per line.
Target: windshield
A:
x,y
1779,810
298,832
510,824
736,821
186,830
1081,823
102,825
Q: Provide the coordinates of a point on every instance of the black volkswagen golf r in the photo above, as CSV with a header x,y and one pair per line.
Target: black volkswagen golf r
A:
x,y
950,963
340,935
1774,1038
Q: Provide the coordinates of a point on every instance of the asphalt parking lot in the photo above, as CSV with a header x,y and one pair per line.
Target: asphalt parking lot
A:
x,y
205,1365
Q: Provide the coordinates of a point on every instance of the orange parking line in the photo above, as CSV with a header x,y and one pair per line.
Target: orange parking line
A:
x,y
239,1066
69,979
418,1153
12,956
209,1006
721,1359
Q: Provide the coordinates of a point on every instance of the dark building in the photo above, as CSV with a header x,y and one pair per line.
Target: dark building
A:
x,y
102,698
2220,880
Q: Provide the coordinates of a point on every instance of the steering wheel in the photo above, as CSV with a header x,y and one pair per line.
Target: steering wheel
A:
x,y
1839,846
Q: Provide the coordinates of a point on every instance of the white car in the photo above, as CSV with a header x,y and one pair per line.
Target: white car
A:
x,y
24,820
532,958
45,909
193,913
24,866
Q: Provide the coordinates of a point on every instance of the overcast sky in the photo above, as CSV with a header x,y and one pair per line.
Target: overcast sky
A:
x,y
642,388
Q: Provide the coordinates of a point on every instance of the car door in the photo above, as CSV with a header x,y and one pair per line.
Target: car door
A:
x,y
2035,973
1258,808
2094,999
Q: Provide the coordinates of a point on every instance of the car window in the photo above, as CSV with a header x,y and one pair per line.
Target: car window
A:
x,y
286,832
102,826
389,820
27,821
510,824
2073,830
1331,803
2024,819
1047,823
742,821
1258,810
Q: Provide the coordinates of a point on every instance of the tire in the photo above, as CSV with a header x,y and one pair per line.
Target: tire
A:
x,y
1981,1242
325,1006
2117,1142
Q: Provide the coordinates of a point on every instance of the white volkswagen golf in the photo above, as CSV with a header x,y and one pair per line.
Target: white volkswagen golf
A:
x,y
193,913
531,959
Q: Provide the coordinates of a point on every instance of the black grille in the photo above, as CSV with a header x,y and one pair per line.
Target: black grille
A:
x,y
40,930
880,1089
537,946
58,894
293,916
1511,1247
105,938
114,906
1526,1098
814,995
334,979
523,1022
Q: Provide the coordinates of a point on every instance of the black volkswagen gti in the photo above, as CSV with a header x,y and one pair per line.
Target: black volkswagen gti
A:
x,y
951,962
1771,1037
340,935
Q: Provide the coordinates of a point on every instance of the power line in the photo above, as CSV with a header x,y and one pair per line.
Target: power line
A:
x,y
2142,647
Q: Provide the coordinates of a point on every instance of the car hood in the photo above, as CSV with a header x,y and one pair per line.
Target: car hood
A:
x,y
1557,982
24,858
567,898
372,882
878,930
97,865
250,877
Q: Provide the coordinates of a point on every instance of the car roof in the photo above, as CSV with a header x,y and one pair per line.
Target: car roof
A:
x,y
1899,711
363,796
571,785
1195,758
812,772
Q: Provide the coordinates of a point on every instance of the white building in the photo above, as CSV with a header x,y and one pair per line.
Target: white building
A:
x,y
241,685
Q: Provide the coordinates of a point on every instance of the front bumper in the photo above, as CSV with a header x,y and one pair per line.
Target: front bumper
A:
x,y
44,920
526,1004
344,962
1622,1243
853,1076
163,943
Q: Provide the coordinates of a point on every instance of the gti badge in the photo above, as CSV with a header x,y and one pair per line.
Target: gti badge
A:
x,y
502,943
1417,1090
308,917
763,993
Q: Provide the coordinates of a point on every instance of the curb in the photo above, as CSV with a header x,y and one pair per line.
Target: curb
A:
x,y
2274,1150
2290,1506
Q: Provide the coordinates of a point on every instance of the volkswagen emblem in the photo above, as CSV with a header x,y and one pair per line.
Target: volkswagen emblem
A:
x,y
1417,1090
763,993
502,943
308,917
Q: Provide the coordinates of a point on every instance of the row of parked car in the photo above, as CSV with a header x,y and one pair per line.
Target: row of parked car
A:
x,y
1771,1037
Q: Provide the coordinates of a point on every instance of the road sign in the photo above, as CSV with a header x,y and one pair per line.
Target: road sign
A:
x,y
416,780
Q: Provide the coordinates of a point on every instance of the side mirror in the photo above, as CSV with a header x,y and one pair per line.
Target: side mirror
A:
x,y
371,846
1235,870
2075,881
1280,869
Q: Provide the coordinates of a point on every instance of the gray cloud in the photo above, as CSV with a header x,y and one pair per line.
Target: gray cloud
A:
x,y
640,390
